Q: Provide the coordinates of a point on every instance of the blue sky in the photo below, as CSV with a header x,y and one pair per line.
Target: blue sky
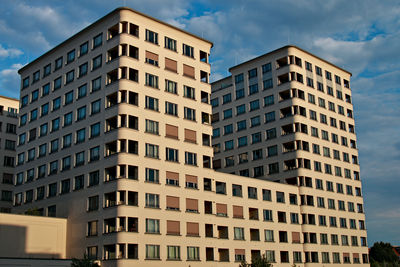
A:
x,y
362,36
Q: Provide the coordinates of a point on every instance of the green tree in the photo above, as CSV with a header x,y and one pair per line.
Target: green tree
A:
x,y
382,255
257,262
85,262
33,212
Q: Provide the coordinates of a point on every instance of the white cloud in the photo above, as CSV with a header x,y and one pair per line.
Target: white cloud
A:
x,y
10,52
10,80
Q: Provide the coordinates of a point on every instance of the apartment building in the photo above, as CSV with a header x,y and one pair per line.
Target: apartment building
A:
x,y
118,141
8,138
287,117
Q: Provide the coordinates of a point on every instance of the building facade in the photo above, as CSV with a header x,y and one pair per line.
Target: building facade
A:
x,y
287,116
119,142
8,138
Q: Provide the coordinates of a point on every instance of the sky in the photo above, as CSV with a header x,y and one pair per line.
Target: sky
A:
x,y
361,36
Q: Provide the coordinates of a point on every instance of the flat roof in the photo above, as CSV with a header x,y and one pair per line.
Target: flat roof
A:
x,y
104,18
286,47
10,98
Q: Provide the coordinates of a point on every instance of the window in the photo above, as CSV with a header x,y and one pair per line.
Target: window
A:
x,y
238,233
31,154
170,43
34,114
151,37
52,190
313,115
152,80
267,84
294,218
152,226
55,124
252,192
152,251
239,93
240,109
93,203
65,186
266,68
311,98
324,135
35,95
24,101
270,116
67,140
271,133
151,103
97,40
173,252
270,255
46,70
220,188
95,108
96,84
152,127
81,113
57,83
80,135
56,103
171,154
216,132
69,77
23,120
187,50
66,163
252,73
68,97
258,171
190,114
242,141
83,49
272,151
191,158
239,78
253,89
241,125
214,102
269,100
58,63
152,200
152,151
79,158
227,113
267,215
94,178
171,86
44,110
257,154
226,98
95,130
254,105
82,90
280,197
96,62
237,190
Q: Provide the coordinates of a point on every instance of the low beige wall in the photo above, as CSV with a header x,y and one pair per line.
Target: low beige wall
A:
x,y
23,236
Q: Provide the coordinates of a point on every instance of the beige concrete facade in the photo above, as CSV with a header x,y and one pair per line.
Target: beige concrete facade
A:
x,y
137,185
8,137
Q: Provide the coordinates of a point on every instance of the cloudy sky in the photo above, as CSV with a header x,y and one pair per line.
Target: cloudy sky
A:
x,y
362,36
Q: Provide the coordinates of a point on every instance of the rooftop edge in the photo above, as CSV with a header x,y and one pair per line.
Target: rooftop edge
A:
x,y
286,47
102,19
